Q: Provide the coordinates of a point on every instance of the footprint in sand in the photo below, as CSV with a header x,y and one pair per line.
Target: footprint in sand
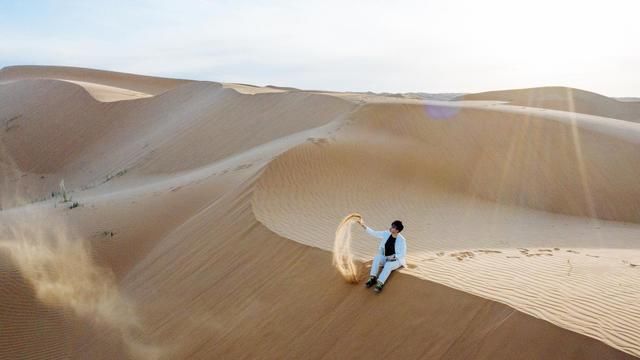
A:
x,y
243,166
489,251
573,251
541,252
318,141
462,255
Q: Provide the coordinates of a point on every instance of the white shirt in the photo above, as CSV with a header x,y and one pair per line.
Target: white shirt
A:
x,y
401,244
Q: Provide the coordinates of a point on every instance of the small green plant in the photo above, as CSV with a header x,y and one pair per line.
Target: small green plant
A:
x,y
63,191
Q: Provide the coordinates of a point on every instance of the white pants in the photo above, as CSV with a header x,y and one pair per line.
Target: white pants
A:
x,y
389,265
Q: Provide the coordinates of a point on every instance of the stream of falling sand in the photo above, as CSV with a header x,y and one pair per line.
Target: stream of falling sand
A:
x,y
342,255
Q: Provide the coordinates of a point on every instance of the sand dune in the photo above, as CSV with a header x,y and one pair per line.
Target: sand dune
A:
x,y
482,180
133,82
140,136
229,292
565,99
211,209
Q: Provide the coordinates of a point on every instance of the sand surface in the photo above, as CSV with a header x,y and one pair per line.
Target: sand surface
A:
x,y
207,212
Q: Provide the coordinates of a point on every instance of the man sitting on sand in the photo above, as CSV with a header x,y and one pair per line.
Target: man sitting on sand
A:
x,y
392,251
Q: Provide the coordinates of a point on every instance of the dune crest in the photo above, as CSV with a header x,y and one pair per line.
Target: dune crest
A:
x,y
564,99
139,83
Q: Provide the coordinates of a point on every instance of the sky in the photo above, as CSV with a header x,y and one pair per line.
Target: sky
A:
x,y
381,46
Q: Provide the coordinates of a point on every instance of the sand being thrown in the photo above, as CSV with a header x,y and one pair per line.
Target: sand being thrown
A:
x,y
342,255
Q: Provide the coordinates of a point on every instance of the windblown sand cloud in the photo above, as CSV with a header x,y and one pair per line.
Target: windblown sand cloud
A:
x,y
59,267
58,264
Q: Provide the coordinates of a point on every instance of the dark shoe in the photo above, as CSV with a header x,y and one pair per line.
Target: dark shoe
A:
x,y
378,287
371,281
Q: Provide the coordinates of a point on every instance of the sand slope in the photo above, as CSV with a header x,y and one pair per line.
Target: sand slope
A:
x,y
206,290
198,203
504,204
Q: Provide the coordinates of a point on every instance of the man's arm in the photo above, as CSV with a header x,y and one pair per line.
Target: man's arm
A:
x,y
370,231
402,252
